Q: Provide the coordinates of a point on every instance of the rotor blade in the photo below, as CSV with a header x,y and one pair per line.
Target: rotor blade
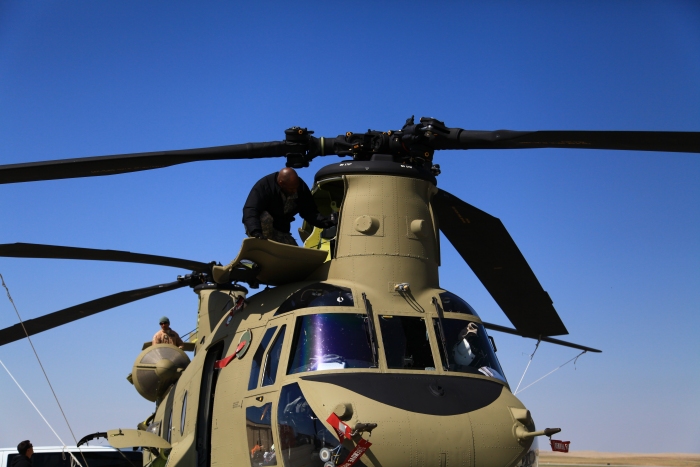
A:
x,y
67,315
666,141
33,250
496,327
123,163
491,253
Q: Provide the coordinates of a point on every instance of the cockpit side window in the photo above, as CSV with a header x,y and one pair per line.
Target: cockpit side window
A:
x,y
468,348
330,342
406,343
451,303
273,359
315,295
258,357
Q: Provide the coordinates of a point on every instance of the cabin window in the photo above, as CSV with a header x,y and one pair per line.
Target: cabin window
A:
x,y
302,434
451,303
469,349
258,357
260,443
316,295
273,359
183,414
406,343
168,425
330,341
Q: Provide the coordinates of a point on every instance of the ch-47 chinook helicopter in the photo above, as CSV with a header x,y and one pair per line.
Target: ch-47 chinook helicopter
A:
x,y
356,354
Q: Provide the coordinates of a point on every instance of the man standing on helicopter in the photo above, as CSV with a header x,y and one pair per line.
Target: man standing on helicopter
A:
x,y
167,335
272,203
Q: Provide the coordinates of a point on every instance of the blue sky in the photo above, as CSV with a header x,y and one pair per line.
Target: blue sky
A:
x,y
613,236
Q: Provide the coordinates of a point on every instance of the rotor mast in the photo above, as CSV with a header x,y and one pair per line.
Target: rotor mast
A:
x,y
387,235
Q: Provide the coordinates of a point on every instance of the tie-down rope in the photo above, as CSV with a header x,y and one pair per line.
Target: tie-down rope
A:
x,y
73,459
528,365
543,377
2,279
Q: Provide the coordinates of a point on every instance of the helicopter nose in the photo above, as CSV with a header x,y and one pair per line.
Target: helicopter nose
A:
x,y
420,419
427,394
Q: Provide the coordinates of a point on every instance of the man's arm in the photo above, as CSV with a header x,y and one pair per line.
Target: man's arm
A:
x,y
178,340
251,212
254,206
308,210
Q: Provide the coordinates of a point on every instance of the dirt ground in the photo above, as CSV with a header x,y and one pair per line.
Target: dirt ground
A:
x,y
618,458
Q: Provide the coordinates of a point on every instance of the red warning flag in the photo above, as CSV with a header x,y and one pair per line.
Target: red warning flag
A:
x,y
356,453
240,304
343,431
219,364
561,446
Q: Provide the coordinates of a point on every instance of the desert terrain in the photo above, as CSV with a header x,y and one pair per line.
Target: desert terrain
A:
x,y
549,458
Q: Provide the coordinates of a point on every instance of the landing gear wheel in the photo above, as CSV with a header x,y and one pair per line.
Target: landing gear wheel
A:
x,y
325,455
329,464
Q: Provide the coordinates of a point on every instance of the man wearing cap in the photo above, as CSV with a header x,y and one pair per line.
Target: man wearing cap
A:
x,y
25,450
272,203
167,335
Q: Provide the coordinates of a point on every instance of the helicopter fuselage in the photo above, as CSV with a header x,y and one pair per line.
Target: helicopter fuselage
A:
x,y
368,339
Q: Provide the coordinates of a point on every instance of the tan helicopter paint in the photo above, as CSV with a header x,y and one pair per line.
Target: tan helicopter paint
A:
x,y
280,263
213,306
387,235
126,438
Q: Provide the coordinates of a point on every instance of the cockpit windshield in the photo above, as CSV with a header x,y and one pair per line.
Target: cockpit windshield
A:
x,y
406,343
468,348
330,342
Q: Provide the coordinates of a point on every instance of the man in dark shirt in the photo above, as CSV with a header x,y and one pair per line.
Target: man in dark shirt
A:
x,y
272,203
269,211
26,450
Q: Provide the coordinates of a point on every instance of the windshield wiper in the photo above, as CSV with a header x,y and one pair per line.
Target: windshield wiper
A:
x,y
370,328
442,333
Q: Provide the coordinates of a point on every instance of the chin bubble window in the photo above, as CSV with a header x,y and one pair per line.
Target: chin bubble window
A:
x,y
303,438
468,348
330,341
315,295
406,343
259,430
